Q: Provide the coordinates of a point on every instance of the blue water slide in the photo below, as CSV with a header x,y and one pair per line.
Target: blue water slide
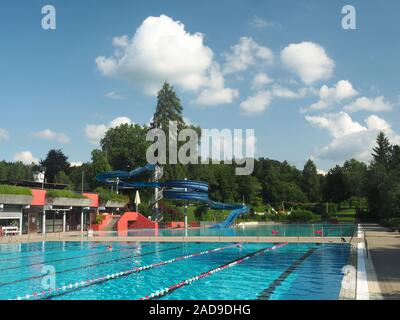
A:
x,y
174,190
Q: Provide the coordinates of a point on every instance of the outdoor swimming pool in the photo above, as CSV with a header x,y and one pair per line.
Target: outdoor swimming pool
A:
x,y
291,271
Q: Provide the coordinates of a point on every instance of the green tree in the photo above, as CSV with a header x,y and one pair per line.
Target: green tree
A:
x,y
82,174
99,162
395,160
336,187
125,146
62,178
248,188
382,152
55,162
168,108
311,182
354,173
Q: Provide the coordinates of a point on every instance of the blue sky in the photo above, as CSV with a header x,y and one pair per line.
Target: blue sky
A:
x,y
288,69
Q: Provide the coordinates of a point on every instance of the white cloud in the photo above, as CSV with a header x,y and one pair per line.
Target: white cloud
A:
x,y
377,104
256,103
210,97
338,124
342,90
350,139
260,23
246,53
76,163
3,134
95,132
162,50
114,95
279,91
261,79
121,41
48,134
25,157
308,60
215,92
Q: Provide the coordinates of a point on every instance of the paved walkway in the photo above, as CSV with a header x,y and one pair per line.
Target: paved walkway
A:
x,y
384,252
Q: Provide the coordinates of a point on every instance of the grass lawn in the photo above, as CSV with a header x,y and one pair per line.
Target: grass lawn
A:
x,y
346,215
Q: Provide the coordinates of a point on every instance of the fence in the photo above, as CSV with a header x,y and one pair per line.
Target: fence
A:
x,y
279,230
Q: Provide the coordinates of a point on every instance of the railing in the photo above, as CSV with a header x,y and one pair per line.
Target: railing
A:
x,y
10,231
275,230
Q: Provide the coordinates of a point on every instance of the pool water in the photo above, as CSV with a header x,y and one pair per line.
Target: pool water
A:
x,y
292,271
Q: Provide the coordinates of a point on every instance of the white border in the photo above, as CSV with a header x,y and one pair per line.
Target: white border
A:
x,y
362,292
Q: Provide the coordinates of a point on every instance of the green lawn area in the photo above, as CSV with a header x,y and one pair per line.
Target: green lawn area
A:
x,y
346,215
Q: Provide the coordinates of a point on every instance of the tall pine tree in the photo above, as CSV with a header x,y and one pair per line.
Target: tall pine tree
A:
x,y
382,152
168,108
311,182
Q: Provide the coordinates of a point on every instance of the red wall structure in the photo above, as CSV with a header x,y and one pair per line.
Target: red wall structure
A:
x,y
181,224
176,224
94,199
38,197
135,220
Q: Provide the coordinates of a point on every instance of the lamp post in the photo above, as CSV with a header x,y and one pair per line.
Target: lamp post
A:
x,y
186,220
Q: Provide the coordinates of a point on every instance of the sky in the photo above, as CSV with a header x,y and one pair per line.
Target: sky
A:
x,y
287,69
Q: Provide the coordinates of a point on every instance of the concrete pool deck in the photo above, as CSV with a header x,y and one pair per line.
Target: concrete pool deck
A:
x,y
383,259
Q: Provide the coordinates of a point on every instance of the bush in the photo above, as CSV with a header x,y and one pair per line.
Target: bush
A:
x,y
301,216
326,216
98,219
64,194
366,215
320,208
393,223
145,209
106,195
6,189
200,211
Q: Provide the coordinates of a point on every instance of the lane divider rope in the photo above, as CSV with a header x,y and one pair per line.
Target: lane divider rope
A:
x,y
169,290
88,282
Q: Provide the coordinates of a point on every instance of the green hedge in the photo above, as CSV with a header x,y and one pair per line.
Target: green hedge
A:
x,y
64,194
393,223
302,216
107,195
6,189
